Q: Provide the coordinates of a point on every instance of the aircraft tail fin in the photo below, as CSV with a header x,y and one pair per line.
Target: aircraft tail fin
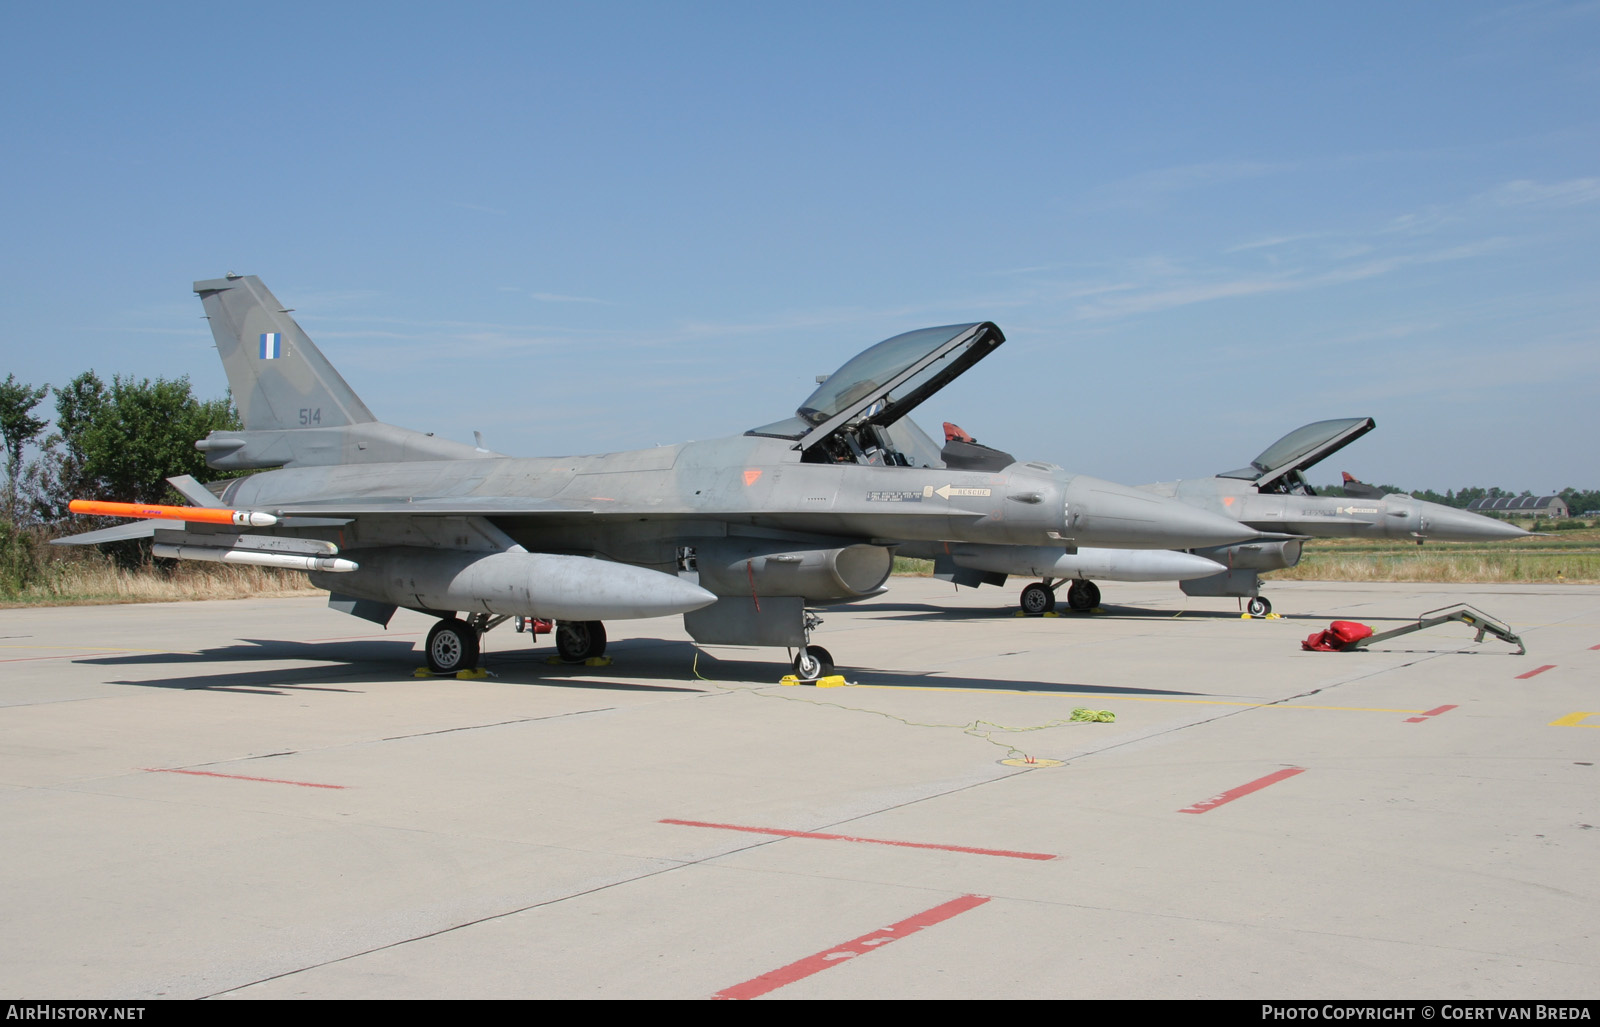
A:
x,y
279,379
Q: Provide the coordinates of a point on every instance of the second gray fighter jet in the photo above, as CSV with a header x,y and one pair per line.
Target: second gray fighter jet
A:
x,y
1270,494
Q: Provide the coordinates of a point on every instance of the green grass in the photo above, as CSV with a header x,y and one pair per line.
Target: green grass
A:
x,y
1572,555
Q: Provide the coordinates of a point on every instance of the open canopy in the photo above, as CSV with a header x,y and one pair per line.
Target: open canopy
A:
x,y
1278,467
880,385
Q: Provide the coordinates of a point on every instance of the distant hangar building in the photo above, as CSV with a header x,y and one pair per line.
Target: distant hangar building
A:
x,y
1522,506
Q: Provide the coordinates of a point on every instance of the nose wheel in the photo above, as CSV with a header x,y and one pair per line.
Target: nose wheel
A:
x,y
1258,607
813,663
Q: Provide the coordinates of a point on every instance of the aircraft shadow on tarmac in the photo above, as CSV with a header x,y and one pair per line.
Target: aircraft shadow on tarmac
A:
x,y
684,661
342,663
651,665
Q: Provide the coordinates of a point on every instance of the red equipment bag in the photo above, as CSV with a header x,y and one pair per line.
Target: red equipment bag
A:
x,y
1339,634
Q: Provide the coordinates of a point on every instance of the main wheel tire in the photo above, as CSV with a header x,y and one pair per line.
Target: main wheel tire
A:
x,y
579,640
1037,599
813,663
1083,596
452,646
1259,607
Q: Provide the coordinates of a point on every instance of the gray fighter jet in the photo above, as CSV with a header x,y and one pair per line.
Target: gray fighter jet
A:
x,y
973,564
1271,495
744,536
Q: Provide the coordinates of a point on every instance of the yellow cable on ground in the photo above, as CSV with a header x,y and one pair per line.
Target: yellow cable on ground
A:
x,y
983,729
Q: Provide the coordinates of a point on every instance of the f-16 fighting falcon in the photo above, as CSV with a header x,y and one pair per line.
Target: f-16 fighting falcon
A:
x,y
1271,495
744,536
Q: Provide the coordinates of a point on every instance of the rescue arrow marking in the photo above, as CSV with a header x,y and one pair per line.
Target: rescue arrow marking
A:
x,y
947,490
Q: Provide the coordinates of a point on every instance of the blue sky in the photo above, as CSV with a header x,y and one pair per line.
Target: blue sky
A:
x,y
600,226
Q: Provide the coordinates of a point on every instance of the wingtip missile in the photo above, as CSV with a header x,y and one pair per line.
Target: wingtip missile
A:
x,y
192,514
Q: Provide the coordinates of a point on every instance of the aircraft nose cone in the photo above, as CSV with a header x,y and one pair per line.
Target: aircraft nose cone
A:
x,y
1447,524
1103,513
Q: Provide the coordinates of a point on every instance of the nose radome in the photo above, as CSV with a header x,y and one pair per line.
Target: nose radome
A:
x,y
1447,524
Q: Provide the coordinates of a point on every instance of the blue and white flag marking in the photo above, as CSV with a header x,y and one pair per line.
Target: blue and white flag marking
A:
x,y
271,345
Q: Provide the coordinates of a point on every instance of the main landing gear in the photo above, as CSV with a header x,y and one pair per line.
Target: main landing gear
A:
x,y
1258,606
580,640
454,644
1040,597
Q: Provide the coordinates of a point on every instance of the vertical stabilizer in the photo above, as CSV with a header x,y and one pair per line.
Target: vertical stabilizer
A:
x,y
278,377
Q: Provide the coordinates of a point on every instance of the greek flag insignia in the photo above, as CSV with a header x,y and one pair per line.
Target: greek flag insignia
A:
x,y
271,345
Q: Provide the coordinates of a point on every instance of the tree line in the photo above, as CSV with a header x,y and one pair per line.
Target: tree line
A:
x,y
1579,501
117,441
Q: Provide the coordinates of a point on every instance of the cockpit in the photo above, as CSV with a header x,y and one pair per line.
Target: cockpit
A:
x,y
1278,470
857,414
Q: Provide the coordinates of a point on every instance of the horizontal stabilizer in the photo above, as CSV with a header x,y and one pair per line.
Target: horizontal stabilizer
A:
x,y
189,488
115,533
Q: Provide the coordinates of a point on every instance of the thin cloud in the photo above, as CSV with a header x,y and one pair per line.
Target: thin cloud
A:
x,y
1157,186
1205,286
1523,193
552,297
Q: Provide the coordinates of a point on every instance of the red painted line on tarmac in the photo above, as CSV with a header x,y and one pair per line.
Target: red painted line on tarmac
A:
x,y
782,833
1431,713
1243,790
1536,670
238,777
800,969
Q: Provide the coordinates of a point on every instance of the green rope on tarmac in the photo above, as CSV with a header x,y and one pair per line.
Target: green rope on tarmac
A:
x,y
1094,716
